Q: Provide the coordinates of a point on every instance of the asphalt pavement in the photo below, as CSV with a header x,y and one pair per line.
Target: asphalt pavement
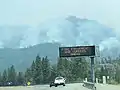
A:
x,y
75,86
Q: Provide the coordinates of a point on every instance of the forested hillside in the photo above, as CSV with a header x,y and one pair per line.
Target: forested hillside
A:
x,y
74,70
22,58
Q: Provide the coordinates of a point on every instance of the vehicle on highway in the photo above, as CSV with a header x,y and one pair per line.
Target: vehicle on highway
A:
x,y
52,84
9,83
58,81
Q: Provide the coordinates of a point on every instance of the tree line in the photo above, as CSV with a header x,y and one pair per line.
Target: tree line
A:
x,y
42,71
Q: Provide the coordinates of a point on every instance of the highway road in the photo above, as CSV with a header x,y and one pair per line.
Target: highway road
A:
x,y
76,86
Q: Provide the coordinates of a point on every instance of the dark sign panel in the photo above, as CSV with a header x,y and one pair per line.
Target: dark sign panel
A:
x,y
77,51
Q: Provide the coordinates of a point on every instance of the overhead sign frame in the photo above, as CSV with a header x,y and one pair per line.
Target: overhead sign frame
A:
x,y
77,51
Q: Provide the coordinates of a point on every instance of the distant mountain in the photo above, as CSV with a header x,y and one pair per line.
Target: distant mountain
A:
x,y
67,31
70,30
22,58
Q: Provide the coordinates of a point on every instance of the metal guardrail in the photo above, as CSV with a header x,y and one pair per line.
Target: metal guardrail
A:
x,y
89,85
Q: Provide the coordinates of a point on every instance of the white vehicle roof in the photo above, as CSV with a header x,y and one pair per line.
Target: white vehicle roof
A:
x,y
59,78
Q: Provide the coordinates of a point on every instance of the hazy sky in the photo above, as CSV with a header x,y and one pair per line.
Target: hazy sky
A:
x,y
35,11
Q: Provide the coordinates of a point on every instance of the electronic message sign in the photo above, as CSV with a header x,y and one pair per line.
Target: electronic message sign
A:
x,y
77,51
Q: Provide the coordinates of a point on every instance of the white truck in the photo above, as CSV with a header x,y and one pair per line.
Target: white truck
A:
x,y
58,81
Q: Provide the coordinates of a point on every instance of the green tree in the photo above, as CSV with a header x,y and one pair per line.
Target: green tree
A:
x,y
97,73
80,69
46,69
28,75
20,78
4,76
60,67
11,74
33,71
117,75
103,72
53,72
67,69
38,69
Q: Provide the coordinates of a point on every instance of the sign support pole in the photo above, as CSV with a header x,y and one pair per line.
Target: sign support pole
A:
x,y
92,70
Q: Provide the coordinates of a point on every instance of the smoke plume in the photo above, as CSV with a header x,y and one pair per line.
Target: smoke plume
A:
x,y
67,31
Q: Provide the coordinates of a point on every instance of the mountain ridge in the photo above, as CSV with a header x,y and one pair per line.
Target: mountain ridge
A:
x,y
25,56
69,31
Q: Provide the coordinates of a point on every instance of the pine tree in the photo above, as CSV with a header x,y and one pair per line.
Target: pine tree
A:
x,y
97,73
28,76
60,67
33,71
70,77
117,75
53,72
38,69
20,78
4,76
80,69
46,69
9,74
64,69
12,74
102,72
67,69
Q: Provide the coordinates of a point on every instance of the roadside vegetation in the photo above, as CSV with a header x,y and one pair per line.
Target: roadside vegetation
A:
x,y
74,70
